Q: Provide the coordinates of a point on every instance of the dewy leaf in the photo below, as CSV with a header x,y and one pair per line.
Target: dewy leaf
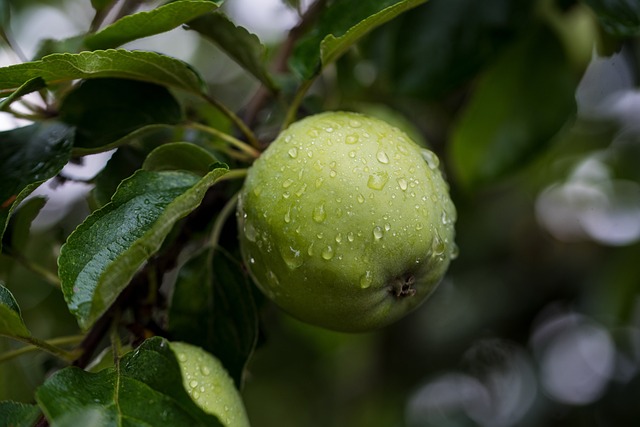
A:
x,y
341,25
517,108
223,319
105,110
618,17
144,24
136,65
241,45
30,155
143,389
102,255
180,156
11,323
14,414
18,230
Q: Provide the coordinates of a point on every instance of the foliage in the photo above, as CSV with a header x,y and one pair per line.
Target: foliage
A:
x,y
526,103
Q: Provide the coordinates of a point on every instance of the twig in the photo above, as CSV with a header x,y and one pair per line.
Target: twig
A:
x,y
245,148
73,339
222,217
246,131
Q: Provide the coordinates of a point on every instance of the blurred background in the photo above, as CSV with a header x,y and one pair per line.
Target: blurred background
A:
x,y
534,110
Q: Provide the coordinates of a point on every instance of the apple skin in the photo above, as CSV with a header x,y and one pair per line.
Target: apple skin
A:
x,y
345,223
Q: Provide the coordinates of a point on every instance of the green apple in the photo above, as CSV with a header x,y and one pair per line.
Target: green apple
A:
x,y
346,223
209,385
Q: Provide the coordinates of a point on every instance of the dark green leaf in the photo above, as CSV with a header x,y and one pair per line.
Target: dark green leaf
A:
x,y
618,17
517,108
241,45
124,162
144,24
101,256
442,44
340,26
223,319
144,388
106,110
14,414
180,156
11,323
30,86
135,65
30,155
17,234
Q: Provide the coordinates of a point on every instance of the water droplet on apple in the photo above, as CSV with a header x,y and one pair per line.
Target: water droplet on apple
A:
x,y
327,253
293,152
377,232
378,180
319,213
366,280
382,157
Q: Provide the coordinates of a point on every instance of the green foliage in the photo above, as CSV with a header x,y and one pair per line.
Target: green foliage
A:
x,y
528,104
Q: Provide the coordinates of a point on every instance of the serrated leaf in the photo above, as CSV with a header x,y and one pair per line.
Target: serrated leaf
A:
x,y
102,255
618,17
120,63
29,86
122,164
241,45
517,108
15,414
144,388
30,155
223,320
144,24
104,111
11,323
180,156
341,25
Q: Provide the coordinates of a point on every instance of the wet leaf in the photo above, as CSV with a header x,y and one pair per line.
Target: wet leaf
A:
x,y
144,388
102,255
135,65
180,156
15,414
618,17
30,156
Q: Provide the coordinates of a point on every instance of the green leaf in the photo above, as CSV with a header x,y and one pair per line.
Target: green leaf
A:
x,y
122,164
11,323
241,45
102,255
180,156
29,86
341,25
618,17
459,38
144,24
18,230
143,389
223,319
135,65
104,111
14,414
30,156
519,105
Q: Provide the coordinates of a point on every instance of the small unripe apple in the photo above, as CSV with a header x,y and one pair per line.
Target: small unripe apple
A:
x,y
346,223
209,385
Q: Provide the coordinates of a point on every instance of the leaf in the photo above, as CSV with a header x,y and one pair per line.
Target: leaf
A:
x,y
340,26
14,414
102,255
11,323
30,156
29,86
17,233
223,319
180,156
443,44
104,111
241,45
144,24
517,108
618,17
122,164
144,388
135,65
